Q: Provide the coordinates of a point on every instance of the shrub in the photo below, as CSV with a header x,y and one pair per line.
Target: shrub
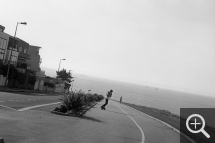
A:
x,y
57,109
74,101
50,85
99,97
63,109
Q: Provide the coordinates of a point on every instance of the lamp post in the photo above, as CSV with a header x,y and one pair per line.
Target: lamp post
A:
x,y
71,73
60,63
8,69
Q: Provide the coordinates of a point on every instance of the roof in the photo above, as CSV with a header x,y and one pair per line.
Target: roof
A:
x,y
34,46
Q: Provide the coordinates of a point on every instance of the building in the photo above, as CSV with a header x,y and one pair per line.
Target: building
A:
x,y
26,59
4,39
17,53
35,60
40,78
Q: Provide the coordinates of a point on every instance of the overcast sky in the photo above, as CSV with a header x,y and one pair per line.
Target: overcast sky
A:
x,y
166,42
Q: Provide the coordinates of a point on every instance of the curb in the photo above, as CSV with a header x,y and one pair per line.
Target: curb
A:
x,y
73,114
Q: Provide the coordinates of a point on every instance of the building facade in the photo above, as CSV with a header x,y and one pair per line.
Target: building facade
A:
x,y
4,39
35,60
17,53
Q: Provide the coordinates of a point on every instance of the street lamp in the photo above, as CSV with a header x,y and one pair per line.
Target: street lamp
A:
x,y
8,69
71,73
60,63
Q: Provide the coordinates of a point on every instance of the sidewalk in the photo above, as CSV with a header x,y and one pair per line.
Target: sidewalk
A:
x,y
4,89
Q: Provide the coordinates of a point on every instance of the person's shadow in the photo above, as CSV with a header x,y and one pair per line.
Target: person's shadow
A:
x,y
115,112
91,119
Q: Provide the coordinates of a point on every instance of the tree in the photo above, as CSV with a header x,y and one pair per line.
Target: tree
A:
x,y
66,77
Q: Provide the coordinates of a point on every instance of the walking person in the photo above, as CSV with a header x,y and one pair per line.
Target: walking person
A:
x,y
109,94
120,99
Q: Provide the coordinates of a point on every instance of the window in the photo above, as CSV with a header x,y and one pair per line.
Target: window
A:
x,y
1,41
16,48
25,50
13,59
2,47
1,51
4,44
1,56
20,49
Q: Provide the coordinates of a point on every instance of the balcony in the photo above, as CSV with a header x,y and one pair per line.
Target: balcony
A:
x,y
6,62
20,65
24,56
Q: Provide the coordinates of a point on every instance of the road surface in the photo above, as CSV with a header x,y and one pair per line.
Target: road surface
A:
x,y
117,124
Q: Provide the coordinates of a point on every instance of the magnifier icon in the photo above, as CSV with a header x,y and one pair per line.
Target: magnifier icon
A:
x,y
201,129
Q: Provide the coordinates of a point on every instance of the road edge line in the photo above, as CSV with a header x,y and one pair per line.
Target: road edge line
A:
x,y
142,133
168,125
36,106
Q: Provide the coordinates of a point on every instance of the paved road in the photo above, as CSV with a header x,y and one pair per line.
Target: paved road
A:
x,y
117,124
22,100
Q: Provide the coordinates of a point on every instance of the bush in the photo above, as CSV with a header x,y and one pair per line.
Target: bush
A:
x,y
63,109
50,85
74,101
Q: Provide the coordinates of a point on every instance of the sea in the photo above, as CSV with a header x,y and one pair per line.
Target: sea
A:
x,y
144,95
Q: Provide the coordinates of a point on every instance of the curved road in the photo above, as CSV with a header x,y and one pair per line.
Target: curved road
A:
x,y
117,124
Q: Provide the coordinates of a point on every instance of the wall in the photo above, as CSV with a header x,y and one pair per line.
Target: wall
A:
x,y
59,88
2,80
3,45
35,57
40,81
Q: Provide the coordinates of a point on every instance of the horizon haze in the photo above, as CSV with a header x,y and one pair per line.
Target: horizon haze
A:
x,y
168,43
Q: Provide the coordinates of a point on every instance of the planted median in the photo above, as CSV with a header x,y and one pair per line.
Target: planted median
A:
x,y
76,103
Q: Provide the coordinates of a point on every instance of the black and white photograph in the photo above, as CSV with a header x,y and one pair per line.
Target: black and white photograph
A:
x,y
107,71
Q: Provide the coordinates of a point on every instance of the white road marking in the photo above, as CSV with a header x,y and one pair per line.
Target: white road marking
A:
x,y
143,136
36,106
1,101
168,125
8,107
